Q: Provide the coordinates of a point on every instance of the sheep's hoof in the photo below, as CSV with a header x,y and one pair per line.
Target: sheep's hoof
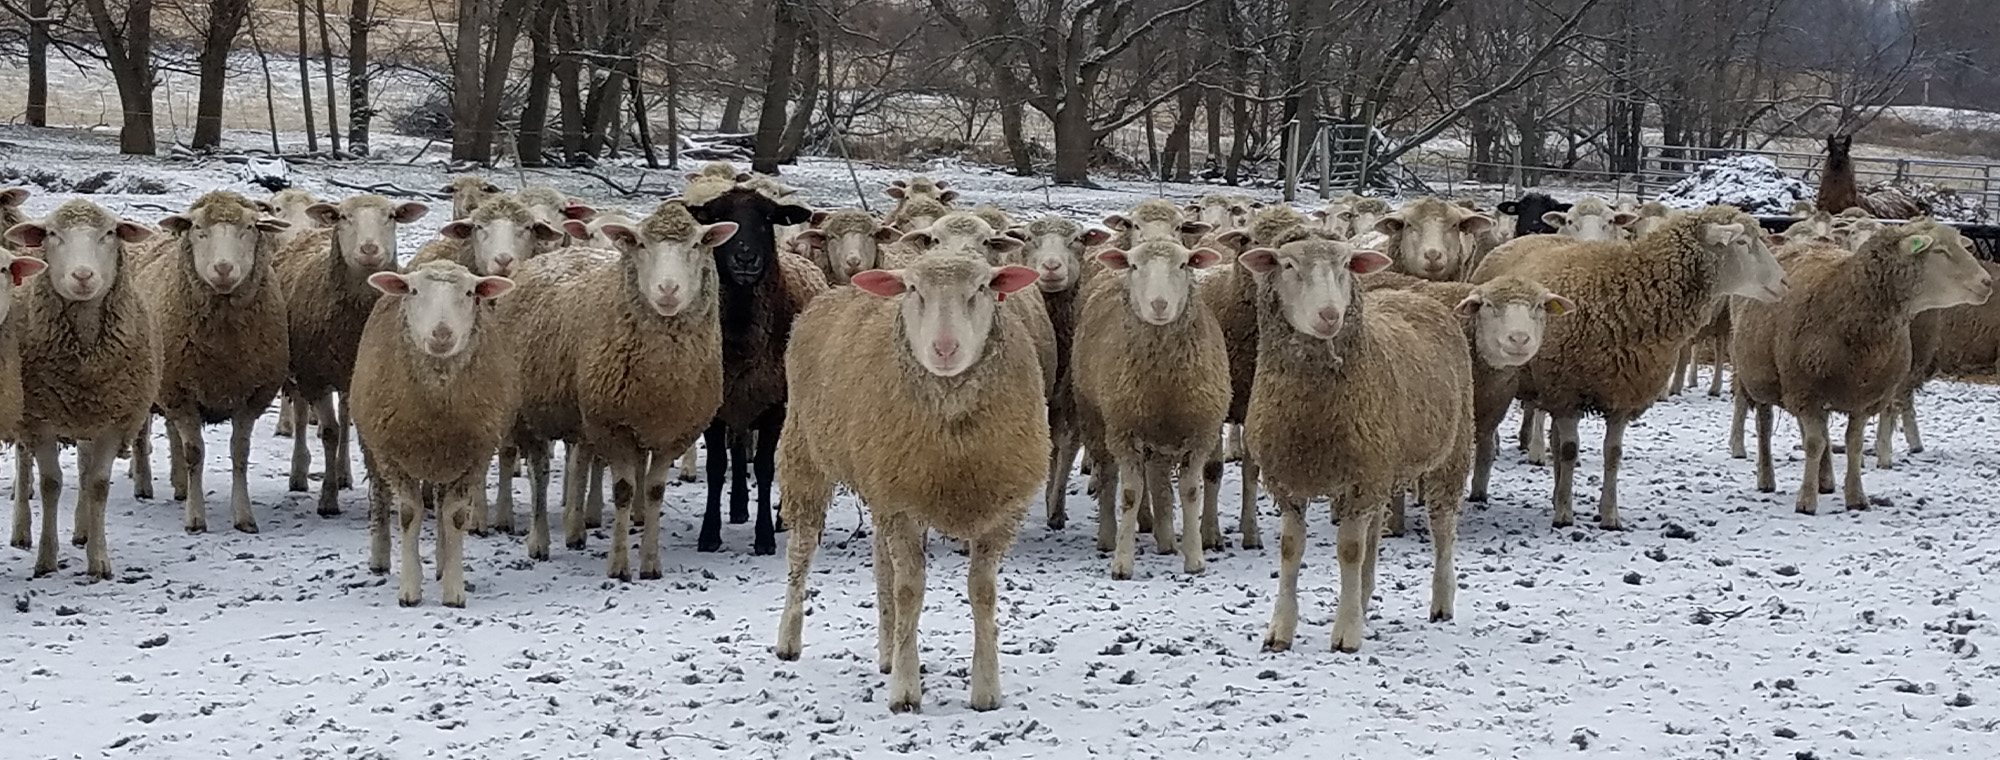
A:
x,y
1121,575
102,573
329,511
649,575
1613,524
79,540
1828,488
987,704
21,543
196,527
1217,543
1863,506
1440,616
593,523
1805,510
246,527
400,601
1916,449
707,544
1253,542
1345,648
378,569
764,548
180,493
480,532
576,545
297,486
539,553
902,705
622,577
1275,644
1563,522
788,654
1478,496
689,477
142,492
1058,522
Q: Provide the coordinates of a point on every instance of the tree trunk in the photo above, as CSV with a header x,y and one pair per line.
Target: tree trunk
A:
x,y
732,110
640,120
468,134
1073,139
38,63
326,59
1180,152
506,32
1017,144
787,18
225,19
130,50
673,88
270,100
306,82
795,129
569,87
600,134
533,130
360,109
1213,109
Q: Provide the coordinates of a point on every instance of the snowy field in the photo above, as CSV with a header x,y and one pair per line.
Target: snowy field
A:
x,y
1720,625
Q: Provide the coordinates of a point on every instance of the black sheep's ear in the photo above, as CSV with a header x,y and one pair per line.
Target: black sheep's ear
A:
x,y
787,213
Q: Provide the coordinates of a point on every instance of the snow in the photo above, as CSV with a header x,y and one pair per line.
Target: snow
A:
x,y
1721,624
1752,183
1938,117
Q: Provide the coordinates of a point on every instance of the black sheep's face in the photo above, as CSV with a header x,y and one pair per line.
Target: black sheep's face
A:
x,y
753,250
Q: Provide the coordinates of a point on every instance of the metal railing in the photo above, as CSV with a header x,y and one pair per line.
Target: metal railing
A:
x,y
1664,165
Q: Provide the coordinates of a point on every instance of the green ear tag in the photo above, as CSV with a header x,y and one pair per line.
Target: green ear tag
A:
x,y
1918,243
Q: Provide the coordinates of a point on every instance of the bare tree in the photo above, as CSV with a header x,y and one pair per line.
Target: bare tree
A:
x,y
225,19
360,109
788,20
128,47
305,80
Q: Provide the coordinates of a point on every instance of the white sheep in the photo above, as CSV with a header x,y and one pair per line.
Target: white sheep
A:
x,y
1432,239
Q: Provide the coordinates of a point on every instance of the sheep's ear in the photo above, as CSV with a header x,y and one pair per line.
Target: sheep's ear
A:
x,y
899,183
177,224
920,239
1469,307
620,235
887,234
263,207
717,234
1776,240
811,239
819,217
1367,262
881,282
579,211
546,232
27,234
1719,234
1474,224
1237,239
1192,209
492,287
272,224
1624,218
1203,258
1555,219
326,214
1557,305
897,193
390,283
448,190
1259,260
1094,236
458,230
25,267
1510,208
1117,222
1917,243
948,195
1018,233
410,212
133,232
1114,258
491,189
1196,229
789,214
576,229
1320,214
1003,245
692,176
1010,278
1389,225
13,196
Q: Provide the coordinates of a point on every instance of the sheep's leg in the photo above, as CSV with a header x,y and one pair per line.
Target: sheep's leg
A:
x,y
95,459
657,464
331,440
1194,522
1148,511
454,516
1291,550
189,465
765,540
688,462
739,477
1740,406
1108,514
1857,428
1395,518
1614,453
502,519
240,429
1356,525
1160,497
906,548
410,517
593,497
176,453
627,472
287,418
1131,492
301,457
48,458
1485,440
142,461
1211,500
885,601
24,510
1442,503
1563,430
805,496
1826,484
1538,447
1767,476
1885,438
1527,432
339,461
1911,435
1252,537
538,497
1055,500
382,499
1374,519
1812,426
577,459
717,437
1232,441
982,586
1719,352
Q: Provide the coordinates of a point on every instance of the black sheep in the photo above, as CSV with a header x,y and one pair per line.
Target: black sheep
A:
x,y
1528,211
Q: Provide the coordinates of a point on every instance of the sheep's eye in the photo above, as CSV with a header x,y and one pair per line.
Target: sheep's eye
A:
x,y
1287,265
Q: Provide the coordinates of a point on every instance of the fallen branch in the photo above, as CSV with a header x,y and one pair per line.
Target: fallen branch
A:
x,y
385,188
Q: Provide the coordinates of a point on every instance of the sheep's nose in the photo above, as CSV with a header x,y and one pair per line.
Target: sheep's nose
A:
x,y
1159,305
371,249
1517,339
1329,315
1433,256
441,332
502,263
854,262
224,269
1052,265
945,349
83,274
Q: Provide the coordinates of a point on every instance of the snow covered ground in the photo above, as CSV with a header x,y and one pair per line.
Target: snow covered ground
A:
x,y
1720,625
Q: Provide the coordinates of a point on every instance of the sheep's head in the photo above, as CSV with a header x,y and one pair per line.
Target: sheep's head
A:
x,y
921,187
440,304
290,206
1652,216
1592,219
1508,316
84,245
1219,211
1853,232
851,240
1530,212
466,193
224,236
670,257
1951,275
745,256
1745,265
1158,277
1055,249
1428,237
919,212
948,303
1314,281
592,232
961,232
1155,219
18,268
551,206
503,232
364,228
10,211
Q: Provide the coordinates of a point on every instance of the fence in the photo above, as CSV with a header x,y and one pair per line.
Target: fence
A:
x,y
1663,165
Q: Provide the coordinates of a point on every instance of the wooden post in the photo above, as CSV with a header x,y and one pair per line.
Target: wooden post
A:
x,y
1292,161
1325,140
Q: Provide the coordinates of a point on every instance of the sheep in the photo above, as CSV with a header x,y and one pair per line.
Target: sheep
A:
x,y
552,205
950,437
761,292
967,233
220,317
435,386
1055,251
1969,336
289,206
637,373
1652,214
1840,342
1636,303
1505,318
1152,387
1926,335
1223,211
504,231
1368,215
1231,296
1149,220
916,213
90,369
327,301
846,242
18,268
995,217
1592,219
591,233
11,214
1357,395
466,193
1530,213
1427,238
1851,232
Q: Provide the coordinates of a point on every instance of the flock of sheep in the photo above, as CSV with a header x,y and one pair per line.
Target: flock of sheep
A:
x,y
947,365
